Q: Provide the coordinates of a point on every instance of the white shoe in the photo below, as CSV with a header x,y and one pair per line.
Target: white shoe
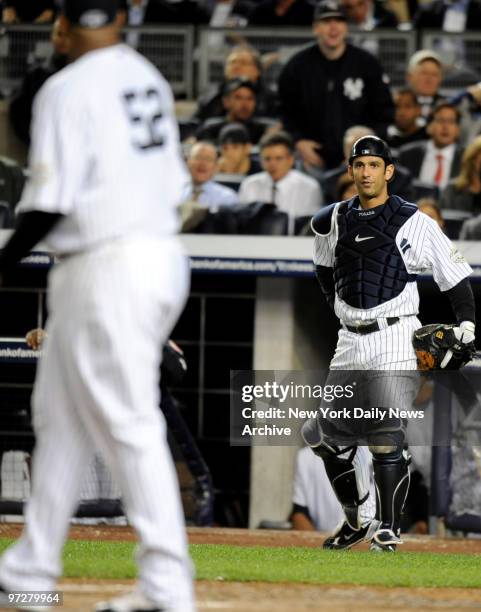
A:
x,y
132,602
385,540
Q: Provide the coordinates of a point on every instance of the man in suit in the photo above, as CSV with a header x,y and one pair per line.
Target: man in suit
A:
x,y
437,160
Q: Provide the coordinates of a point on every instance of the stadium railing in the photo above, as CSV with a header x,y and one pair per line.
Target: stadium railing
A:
x,y
170,48
460,53
393,47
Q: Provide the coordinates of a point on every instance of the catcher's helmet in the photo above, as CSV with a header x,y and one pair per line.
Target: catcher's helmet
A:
x,y
371,145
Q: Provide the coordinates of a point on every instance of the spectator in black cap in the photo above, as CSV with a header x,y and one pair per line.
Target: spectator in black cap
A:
x,y
235,149
239,101
329,86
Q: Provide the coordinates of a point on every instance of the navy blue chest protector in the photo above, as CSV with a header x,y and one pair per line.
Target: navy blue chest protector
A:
x,y
368,267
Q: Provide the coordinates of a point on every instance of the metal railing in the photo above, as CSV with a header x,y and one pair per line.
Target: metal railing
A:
x,y
461,55
170,48
392,47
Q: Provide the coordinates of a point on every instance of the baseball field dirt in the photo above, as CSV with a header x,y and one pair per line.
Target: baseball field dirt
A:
x,y
81,594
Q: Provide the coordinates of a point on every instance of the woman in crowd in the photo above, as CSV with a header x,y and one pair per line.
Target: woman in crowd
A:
x,y
464,192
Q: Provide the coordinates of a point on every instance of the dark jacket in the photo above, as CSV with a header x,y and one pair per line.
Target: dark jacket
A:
x,y
300,13
185,11
412,156
12,180
29,10
383,17
396,140
211,128
453,198
20,110
321,98
210,104
432,15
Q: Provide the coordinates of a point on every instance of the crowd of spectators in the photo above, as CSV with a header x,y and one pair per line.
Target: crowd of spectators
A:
x,y
264,157
282,147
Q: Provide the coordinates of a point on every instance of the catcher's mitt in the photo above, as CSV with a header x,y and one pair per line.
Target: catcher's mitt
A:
x,y
437,347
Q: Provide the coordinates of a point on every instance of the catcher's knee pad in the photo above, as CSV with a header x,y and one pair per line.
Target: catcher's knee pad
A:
x,y
342,475
391,474
382,450
386,442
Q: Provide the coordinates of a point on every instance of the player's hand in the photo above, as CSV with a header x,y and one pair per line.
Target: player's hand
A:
x,y
309,151
35,338
465,332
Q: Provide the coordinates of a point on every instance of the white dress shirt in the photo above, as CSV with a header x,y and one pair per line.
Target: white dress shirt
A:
x,y
430,164
211,194
296,194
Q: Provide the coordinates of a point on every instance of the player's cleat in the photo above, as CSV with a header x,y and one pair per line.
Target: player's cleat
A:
x,y
384,540
346,537
132,602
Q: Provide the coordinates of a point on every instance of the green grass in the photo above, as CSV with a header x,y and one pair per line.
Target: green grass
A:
x,y
91,559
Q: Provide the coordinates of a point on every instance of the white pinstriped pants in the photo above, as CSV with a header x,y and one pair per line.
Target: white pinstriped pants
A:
x,y
110,311
387,349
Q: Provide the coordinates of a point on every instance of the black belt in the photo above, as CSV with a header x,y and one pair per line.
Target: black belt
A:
x,y
371,327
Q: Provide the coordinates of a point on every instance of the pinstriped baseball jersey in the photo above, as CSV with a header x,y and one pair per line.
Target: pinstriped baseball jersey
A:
x,y
105,154
105,151
422,246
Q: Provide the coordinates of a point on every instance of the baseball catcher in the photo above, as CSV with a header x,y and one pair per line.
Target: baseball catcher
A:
x,y
368,252
445,347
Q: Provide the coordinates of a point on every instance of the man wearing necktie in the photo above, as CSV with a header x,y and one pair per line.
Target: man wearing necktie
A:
x,y
435,161
292,192
201,193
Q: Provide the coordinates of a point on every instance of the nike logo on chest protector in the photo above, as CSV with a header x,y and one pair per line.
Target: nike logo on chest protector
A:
x,y
368,267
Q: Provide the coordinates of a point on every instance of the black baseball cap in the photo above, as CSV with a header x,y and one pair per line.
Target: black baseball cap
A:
x,y
235,84
329,9
91,14
234,133
373,146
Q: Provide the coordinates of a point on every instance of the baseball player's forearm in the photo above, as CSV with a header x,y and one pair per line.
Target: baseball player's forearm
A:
x,y
462,301
326,281
31,228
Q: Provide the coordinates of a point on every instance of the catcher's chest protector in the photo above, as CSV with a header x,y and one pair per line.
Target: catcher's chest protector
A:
x,y
368,267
